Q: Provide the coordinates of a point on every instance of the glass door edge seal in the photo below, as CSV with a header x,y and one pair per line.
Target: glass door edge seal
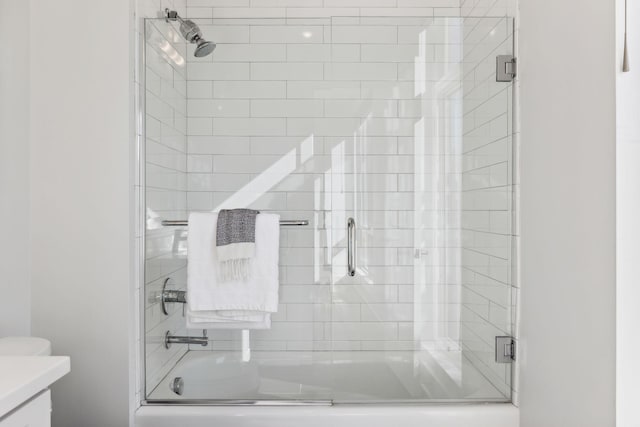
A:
x,y
422,402
232,402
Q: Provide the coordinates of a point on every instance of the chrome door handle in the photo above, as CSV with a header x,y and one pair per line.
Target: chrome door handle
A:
x,y
351,247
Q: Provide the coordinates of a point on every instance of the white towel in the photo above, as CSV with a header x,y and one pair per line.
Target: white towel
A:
x,y
240,304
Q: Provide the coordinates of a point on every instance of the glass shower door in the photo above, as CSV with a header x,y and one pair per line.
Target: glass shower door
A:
x,y
421,211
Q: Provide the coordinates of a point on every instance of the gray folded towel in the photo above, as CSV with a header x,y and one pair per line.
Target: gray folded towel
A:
x,y
236,242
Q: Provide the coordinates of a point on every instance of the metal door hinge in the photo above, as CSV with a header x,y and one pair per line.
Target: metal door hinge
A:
x,y
505,68
505,349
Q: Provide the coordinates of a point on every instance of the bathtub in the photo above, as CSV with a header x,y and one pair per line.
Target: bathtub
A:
x,y
317,389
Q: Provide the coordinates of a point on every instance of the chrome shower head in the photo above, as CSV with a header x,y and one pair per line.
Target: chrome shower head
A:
x,y
191,32
204,48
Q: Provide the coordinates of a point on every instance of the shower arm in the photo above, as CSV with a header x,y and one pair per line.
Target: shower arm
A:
x,y
191,32
172,15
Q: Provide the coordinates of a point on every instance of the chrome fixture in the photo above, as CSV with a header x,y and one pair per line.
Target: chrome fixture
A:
x,y
170,295
505,68
351,247
505,349
177,386
192,33
174,339
283,223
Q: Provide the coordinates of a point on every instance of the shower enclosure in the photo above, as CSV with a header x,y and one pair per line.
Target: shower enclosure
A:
x,y
387,142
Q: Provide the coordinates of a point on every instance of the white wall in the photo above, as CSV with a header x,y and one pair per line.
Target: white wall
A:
x,y
628,226
14,168
567,79
80,202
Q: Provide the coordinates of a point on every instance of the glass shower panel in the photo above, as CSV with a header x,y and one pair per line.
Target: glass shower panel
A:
x,y
164,154
487,260
241,148
392,138
422,170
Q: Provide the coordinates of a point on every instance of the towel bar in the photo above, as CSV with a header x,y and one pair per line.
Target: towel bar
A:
x,y
283,223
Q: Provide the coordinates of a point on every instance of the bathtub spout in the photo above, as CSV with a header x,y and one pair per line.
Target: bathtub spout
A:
x,y
174,339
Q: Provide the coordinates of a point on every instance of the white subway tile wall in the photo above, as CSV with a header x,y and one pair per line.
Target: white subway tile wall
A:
x,y
365,120
320,8
488,7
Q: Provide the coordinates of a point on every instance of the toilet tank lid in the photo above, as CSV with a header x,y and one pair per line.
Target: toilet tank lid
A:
x,y
24,346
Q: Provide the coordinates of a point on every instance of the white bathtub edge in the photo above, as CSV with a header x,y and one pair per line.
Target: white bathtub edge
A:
x,y
463,415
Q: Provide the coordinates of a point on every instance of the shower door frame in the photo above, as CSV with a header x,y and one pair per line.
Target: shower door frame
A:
x,y
140,253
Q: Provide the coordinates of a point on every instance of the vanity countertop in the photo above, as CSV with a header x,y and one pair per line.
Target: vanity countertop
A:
x,y
22,377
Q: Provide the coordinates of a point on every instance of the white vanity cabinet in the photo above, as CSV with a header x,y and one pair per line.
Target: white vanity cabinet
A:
x,y
34,413
25,398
